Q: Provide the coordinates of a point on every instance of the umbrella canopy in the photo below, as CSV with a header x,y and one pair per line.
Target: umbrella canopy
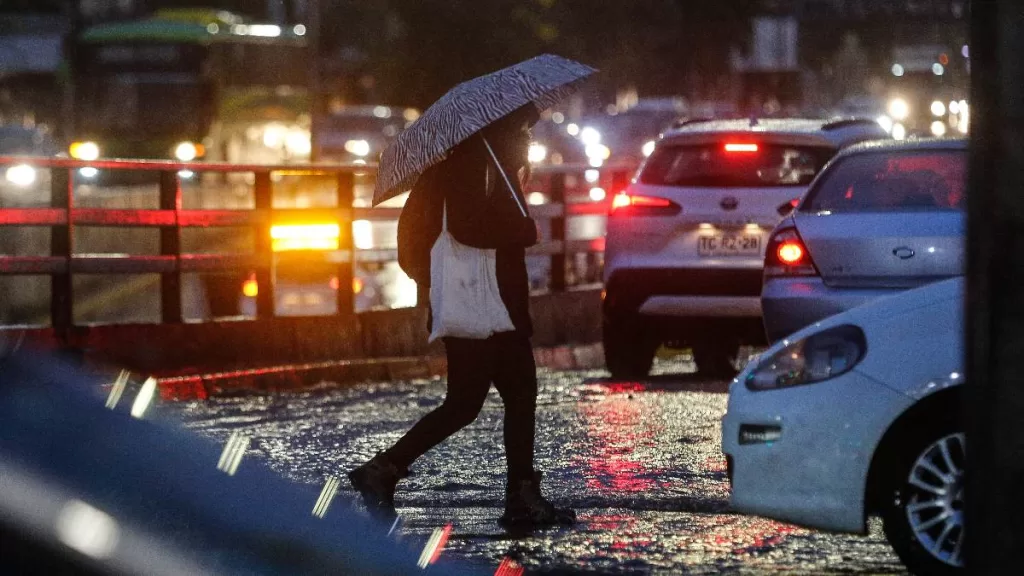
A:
x,y
467,109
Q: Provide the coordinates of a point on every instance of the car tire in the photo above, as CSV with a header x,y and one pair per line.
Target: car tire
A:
x,y
922,512
628,350
715,360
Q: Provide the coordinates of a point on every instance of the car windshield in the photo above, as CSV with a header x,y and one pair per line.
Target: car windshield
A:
x,y
888,182
337,129
19,141
148,103
734,164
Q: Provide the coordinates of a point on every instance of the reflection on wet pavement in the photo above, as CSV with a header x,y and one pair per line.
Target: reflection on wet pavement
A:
x,y
640,461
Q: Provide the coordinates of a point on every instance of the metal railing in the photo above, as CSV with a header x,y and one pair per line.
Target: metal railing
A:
x,y
62,216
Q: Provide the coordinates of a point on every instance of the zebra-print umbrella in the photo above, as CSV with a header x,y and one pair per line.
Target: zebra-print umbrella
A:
x,y
467,109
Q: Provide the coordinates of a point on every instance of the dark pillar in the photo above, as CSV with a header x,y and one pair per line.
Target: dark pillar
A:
x,y
263,194
61,293
170,245
346,194
995,295
558,233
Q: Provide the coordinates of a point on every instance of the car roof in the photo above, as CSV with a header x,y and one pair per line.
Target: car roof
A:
x,y
835,132
905,145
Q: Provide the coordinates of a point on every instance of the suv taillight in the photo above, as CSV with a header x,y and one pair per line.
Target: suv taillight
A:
x,y
625,204
786,255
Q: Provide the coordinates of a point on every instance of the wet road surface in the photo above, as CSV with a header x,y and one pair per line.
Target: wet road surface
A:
x,y
640,462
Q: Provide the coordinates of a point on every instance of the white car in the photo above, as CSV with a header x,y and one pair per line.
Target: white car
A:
x,y
686,240
857,415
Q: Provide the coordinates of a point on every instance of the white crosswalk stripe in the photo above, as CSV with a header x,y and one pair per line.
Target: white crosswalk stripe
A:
x,y
117,390
233,452
326,496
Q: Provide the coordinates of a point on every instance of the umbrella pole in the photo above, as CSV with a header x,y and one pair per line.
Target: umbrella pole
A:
x,y
508,182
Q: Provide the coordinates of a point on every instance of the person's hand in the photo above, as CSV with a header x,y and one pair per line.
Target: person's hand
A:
x,y
524,177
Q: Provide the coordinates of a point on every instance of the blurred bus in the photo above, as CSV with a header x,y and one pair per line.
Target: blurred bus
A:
x,y
192,85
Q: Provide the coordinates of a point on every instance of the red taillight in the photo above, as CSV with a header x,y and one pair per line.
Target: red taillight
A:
x,y
790,252
621,200
740,147
787,255
642,205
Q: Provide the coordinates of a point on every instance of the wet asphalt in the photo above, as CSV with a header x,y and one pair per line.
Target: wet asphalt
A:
x,y
639,461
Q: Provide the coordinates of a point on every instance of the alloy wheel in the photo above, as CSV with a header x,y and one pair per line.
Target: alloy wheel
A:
x,y
935,508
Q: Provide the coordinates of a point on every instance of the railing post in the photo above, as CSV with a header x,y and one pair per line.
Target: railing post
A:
x,y
61,292
170,245
346,268
263,196
557,283
620,181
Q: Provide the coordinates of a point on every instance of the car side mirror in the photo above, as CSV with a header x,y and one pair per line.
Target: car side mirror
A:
x,y
787,208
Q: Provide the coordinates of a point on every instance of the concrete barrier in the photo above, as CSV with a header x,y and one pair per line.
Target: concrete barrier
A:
x,y
560,319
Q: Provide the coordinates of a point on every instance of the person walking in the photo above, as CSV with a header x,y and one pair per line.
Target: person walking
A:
x,y
482,212
465,229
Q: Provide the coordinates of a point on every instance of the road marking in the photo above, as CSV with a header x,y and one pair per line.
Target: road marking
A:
x,y
328,493
117,389
144,398
434,547
509,567
394,525
233,452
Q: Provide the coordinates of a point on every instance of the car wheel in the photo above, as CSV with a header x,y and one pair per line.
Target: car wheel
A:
x,y
923,517
715,360
628,350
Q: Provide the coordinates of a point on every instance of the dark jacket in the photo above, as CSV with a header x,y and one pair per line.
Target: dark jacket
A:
x,y
481,214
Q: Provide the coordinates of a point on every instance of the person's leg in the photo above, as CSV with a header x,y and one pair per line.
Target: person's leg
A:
x,y
515,377
469,379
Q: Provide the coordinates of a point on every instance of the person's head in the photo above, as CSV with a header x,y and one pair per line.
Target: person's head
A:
x,y
511,134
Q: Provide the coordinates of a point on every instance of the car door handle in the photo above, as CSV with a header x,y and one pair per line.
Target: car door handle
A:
x,y
903,252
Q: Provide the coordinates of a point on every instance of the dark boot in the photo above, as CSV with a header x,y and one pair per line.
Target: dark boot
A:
x,y
525,506
376,482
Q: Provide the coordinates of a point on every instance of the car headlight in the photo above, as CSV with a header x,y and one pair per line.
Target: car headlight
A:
x,y
899,109
816,358
21,175
537,153
358,147
186,151
84,151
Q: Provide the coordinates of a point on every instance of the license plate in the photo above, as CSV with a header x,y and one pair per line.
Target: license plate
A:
x,y
729,245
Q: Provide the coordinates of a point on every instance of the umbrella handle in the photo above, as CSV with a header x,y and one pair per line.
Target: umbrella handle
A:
x,y
504,176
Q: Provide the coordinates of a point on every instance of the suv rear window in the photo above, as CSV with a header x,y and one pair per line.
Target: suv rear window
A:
x,y
739,163
893,182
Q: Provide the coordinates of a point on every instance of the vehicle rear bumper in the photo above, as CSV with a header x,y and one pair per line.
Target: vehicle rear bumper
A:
x,y
674,292
703,306
789,304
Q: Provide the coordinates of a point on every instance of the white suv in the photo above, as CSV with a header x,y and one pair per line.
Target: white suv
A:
x,y
685,242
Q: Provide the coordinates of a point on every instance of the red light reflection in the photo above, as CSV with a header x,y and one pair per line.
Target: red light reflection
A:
x,y
616,428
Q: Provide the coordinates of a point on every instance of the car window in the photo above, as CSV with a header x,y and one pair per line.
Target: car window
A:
x,y
893,182
734,164
18,141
